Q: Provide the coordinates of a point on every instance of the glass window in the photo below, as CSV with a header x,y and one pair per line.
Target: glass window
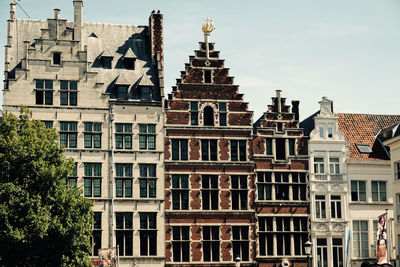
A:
x,y
358,191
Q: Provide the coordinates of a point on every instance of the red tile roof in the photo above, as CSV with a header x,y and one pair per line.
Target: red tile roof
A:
x,y
363,129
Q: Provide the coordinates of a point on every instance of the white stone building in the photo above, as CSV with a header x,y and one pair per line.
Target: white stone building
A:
x,y
101,87
328,187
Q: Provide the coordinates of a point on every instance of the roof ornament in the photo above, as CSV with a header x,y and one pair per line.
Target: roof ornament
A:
x,y
13,2
208,27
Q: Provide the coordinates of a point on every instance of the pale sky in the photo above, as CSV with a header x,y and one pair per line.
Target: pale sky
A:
x,y
347,50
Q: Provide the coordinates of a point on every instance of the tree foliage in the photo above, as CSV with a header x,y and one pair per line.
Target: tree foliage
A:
x,y
43,221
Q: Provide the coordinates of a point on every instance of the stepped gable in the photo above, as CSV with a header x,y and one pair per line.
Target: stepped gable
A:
x,y
207,81
363,129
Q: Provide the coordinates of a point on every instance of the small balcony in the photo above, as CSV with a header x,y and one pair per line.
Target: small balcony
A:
x,y
321,177
336,177
328,177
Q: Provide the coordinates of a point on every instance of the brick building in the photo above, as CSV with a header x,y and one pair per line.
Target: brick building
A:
x,y
101,87
282,201
209,182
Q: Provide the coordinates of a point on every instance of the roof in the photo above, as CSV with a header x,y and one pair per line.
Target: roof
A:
x,y
364,129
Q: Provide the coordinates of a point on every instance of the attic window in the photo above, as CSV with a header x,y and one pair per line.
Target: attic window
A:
x,y
207,76
129,63
56,58
106,62
121,91
364,149
145,93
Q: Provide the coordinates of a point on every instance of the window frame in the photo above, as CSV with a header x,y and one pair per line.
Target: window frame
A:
x,y
239,192
90,133
148,233
210,191
147,180
90,179
179,151
122,136
208,240
381,196
357,183
180,192
70,133
44,90
146,133
209,149
126,231
68,92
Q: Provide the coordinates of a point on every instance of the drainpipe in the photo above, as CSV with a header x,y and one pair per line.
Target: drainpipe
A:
x,y
111,116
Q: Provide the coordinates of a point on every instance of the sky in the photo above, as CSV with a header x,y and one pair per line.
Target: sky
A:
x,y
348,51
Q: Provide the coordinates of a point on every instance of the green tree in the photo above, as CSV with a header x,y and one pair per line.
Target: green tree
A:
x,y
43,221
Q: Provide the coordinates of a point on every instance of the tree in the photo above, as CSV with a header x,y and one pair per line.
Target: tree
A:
x,y
43,221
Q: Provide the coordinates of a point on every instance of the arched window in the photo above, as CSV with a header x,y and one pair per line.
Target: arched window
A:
x,y
208,116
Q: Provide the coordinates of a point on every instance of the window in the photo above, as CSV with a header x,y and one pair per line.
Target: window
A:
x,y
268,143
279,127
321,132
209,149
179,149
123,136
336,207
374,228
281,185
222,114
397,170
337,248
322,252
145,93
334,166
320,207
364,149
68,93
148,233
299,186
360,239
106,62
378,191
120,91
96,236
288,233
240,242
207,76
147,136
209,192
92,134
92,179
48,124
129,63
292,147
180,192
180,243
358,191
147,180
330,132
238,150
72,179
239,192
208,116
44,92
280,148
68,134
264,186
123,180
56,58
194,113
124,233
210,243
319,165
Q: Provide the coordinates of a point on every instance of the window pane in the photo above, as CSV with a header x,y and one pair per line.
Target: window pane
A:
x,y
39,84
118,188
152,188
128,188
88,187
142,141
128,141
49,98
97,187
143,187
63,98
88,140
152,142
73,98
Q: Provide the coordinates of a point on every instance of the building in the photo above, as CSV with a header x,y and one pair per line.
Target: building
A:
x,y
209,181
282,204
101,87
329,191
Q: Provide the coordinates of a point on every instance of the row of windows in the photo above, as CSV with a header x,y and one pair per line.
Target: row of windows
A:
x,y
208,114
93,133
336,252
209,192
321,207
209,149
319,166
378,191
281,186
123,180
211,243
124,233
123,92
68,92
280,147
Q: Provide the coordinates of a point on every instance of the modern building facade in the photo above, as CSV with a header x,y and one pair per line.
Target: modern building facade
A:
x,y
209,181
282,202
101,87
329,190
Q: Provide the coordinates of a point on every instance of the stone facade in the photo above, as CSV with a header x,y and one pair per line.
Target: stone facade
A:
x,y
282,199
101,87
209,180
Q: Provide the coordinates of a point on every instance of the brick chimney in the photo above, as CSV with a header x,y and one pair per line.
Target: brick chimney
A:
x,y
295,109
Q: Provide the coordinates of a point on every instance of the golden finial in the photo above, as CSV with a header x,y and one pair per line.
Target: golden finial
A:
x,y
208,26
13,2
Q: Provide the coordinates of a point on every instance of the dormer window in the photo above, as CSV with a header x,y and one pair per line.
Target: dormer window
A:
x,y
207,76
129,63
106,62
364,149
56,58
145,93
120,91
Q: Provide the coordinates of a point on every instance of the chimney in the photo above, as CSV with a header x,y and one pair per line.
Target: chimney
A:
x,y
12,11
278,100
78,22
57,13
25,64
295,109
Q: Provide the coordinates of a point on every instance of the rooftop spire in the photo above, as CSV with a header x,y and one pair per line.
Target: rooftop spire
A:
x,y
208,27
